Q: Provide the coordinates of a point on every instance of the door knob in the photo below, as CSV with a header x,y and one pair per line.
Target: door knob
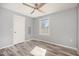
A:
x,y
14,32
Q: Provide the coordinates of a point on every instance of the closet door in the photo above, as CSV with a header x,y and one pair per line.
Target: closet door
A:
x,y
19,29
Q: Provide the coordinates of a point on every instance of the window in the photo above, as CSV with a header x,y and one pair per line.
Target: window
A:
x,y
44,26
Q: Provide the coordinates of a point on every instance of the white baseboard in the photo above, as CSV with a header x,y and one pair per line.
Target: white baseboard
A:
x,y
29,40
6,46
43,41
57,44
13,44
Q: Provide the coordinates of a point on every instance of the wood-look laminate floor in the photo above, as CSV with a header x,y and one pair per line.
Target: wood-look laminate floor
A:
x,y
25,48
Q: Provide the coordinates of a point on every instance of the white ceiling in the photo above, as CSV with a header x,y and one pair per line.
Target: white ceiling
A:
x,y
47,8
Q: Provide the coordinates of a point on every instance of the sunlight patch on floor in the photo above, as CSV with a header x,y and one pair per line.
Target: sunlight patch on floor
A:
x,y
38,51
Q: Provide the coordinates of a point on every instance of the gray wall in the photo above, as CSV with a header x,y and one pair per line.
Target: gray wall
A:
x,y
62,28
6,27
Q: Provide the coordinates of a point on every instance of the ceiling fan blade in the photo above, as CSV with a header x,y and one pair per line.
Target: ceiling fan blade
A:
x,y
33,11
28,5
41,5
40,10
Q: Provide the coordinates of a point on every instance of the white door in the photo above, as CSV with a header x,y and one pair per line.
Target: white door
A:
x,y
19,29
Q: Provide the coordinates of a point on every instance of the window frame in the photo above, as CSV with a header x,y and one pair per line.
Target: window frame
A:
x,y
40,28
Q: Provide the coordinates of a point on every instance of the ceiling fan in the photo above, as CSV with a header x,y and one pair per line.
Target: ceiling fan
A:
x,y
36,6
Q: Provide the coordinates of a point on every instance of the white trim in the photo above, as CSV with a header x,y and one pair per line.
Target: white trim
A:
x,y
6,46
28,40
43,41
14,44
58,44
